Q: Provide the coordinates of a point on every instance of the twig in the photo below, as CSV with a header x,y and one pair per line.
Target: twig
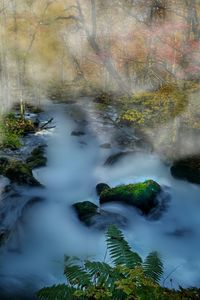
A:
x,y
170,274
44,125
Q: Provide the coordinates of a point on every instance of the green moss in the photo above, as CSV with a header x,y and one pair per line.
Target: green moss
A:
x,y
85,211
141,195
100,187
37,158
17,171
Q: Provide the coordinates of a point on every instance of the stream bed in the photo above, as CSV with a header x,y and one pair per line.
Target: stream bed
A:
x,y
47,229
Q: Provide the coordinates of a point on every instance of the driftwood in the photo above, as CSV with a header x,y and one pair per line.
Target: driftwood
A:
x,y
50,127
44,126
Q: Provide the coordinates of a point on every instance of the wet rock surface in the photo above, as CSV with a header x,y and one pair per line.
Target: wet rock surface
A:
x,y
187,169
77,133
92,216
140,195
37,158
105,146
17,171
115,158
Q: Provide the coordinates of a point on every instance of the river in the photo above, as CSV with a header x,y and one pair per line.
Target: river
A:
x,y
49,229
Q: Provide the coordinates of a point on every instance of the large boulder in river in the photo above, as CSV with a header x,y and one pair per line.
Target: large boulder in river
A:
x,y
187,169
17,171
140,195
37,158
92,216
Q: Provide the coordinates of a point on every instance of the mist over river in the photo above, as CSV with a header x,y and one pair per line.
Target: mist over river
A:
x,y
45,231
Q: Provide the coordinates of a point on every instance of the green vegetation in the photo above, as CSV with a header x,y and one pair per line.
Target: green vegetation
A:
x,y
153,107
141,195
127,277
37,158
10,140
100,187
17,171
12,129
85,211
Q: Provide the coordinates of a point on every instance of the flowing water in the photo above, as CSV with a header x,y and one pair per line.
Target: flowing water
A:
x,y
48,229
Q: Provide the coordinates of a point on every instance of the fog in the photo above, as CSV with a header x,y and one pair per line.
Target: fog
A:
x,y
85,48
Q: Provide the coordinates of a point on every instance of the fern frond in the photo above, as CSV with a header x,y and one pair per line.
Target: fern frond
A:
x,y
119,249
57,292
153,266
101,273
77,276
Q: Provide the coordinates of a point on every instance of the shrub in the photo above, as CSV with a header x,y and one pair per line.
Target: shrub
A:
x,y
12,129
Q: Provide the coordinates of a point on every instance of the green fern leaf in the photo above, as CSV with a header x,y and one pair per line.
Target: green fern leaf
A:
x,y
101,273
119,249
153,266
77,276
57,292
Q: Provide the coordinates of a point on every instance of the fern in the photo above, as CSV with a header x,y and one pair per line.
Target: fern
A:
x,y
77,276
57,292
153,267
119,249
101,272
99,280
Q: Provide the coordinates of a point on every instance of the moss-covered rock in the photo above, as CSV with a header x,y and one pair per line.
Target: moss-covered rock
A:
x,y
187,169
37,158
140,195
85,211
17,171
91,216
100,187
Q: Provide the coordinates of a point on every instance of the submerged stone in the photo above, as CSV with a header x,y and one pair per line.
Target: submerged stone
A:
x,y
85,211
17,171
92,216
77,133
187,169
105,146
115,158
140,195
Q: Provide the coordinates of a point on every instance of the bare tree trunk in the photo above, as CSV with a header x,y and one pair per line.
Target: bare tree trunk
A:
x,y
91,37
5,92
192,20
